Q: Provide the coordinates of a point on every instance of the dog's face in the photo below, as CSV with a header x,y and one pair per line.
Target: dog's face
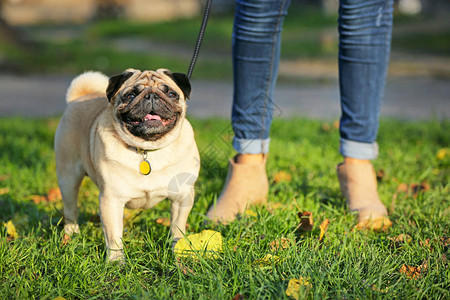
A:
x,y
148,105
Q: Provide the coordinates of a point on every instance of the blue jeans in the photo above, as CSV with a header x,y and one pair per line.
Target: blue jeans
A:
x,y
364,45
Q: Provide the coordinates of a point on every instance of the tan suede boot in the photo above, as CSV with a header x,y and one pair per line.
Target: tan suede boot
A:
x,y
246,184
359,187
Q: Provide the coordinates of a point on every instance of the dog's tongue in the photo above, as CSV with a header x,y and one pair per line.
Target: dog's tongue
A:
x,y
152,117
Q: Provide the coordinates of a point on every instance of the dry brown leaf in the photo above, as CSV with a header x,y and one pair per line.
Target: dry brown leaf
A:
x,y
412,189
399,239
38,199
402,187
377,289
238,297
4,191
306,221
336,124
54,194
326,127
163,221
414,272
186,270
380,175
66,239
323,228
425,243
282,176
4,177
445,241
280,244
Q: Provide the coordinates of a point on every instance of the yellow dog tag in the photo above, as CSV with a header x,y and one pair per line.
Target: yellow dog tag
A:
x,y
145,168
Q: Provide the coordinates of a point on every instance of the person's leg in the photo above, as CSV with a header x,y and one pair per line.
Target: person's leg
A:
x,y
364,45
256,50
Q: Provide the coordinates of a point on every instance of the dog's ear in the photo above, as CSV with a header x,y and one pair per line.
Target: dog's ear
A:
x,y
182,81
115,83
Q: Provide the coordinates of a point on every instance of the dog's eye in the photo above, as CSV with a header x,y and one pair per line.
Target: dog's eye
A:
x,y
172,94
130,96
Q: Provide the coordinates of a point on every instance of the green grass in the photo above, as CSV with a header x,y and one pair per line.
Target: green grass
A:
x,y
347,264
429,43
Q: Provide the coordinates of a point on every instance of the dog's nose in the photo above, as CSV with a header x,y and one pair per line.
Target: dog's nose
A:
x,y
147,96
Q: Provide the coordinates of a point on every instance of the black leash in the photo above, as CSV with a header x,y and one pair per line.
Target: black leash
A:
x,y
200,38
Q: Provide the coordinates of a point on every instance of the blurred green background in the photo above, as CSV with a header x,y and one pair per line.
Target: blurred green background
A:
x,y
68,37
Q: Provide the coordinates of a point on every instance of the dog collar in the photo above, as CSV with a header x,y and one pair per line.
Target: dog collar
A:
x,y
144,167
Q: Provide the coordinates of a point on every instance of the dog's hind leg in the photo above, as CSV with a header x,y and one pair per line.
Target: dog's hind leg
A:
x,y
70,176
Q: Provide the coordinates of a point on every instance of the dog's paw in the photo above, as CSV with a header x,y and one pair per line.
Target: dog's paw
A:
x,y
174,242
115,255
71,229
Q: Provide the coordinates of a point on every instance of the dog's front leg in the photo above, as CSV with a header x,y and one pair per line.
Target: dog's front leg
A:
x,y
180,209
111,215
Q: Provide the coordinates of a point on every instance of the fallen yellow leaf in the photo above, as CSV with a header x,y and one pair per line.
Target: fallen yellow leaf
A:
x,y
282,176
323,228
4,191
442,153
296,285
11,230
206,243
250,213
59,298
267,260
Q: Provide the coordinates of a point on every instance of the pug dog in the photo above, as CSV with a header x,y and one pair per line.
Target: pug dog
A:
x,y
129,134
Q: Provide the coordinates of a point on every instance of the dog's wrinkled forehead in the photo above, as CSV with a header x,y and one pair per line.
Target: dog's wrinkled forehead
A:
x,y
142,79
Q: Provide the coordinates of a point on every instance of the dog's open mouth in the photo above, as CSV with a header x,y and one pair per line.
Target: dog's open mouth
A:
x,y
151,126
152,119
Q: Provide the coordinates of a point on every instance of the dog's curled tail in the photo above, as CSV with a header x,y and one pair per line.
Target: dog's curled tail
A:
x,y
87,83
